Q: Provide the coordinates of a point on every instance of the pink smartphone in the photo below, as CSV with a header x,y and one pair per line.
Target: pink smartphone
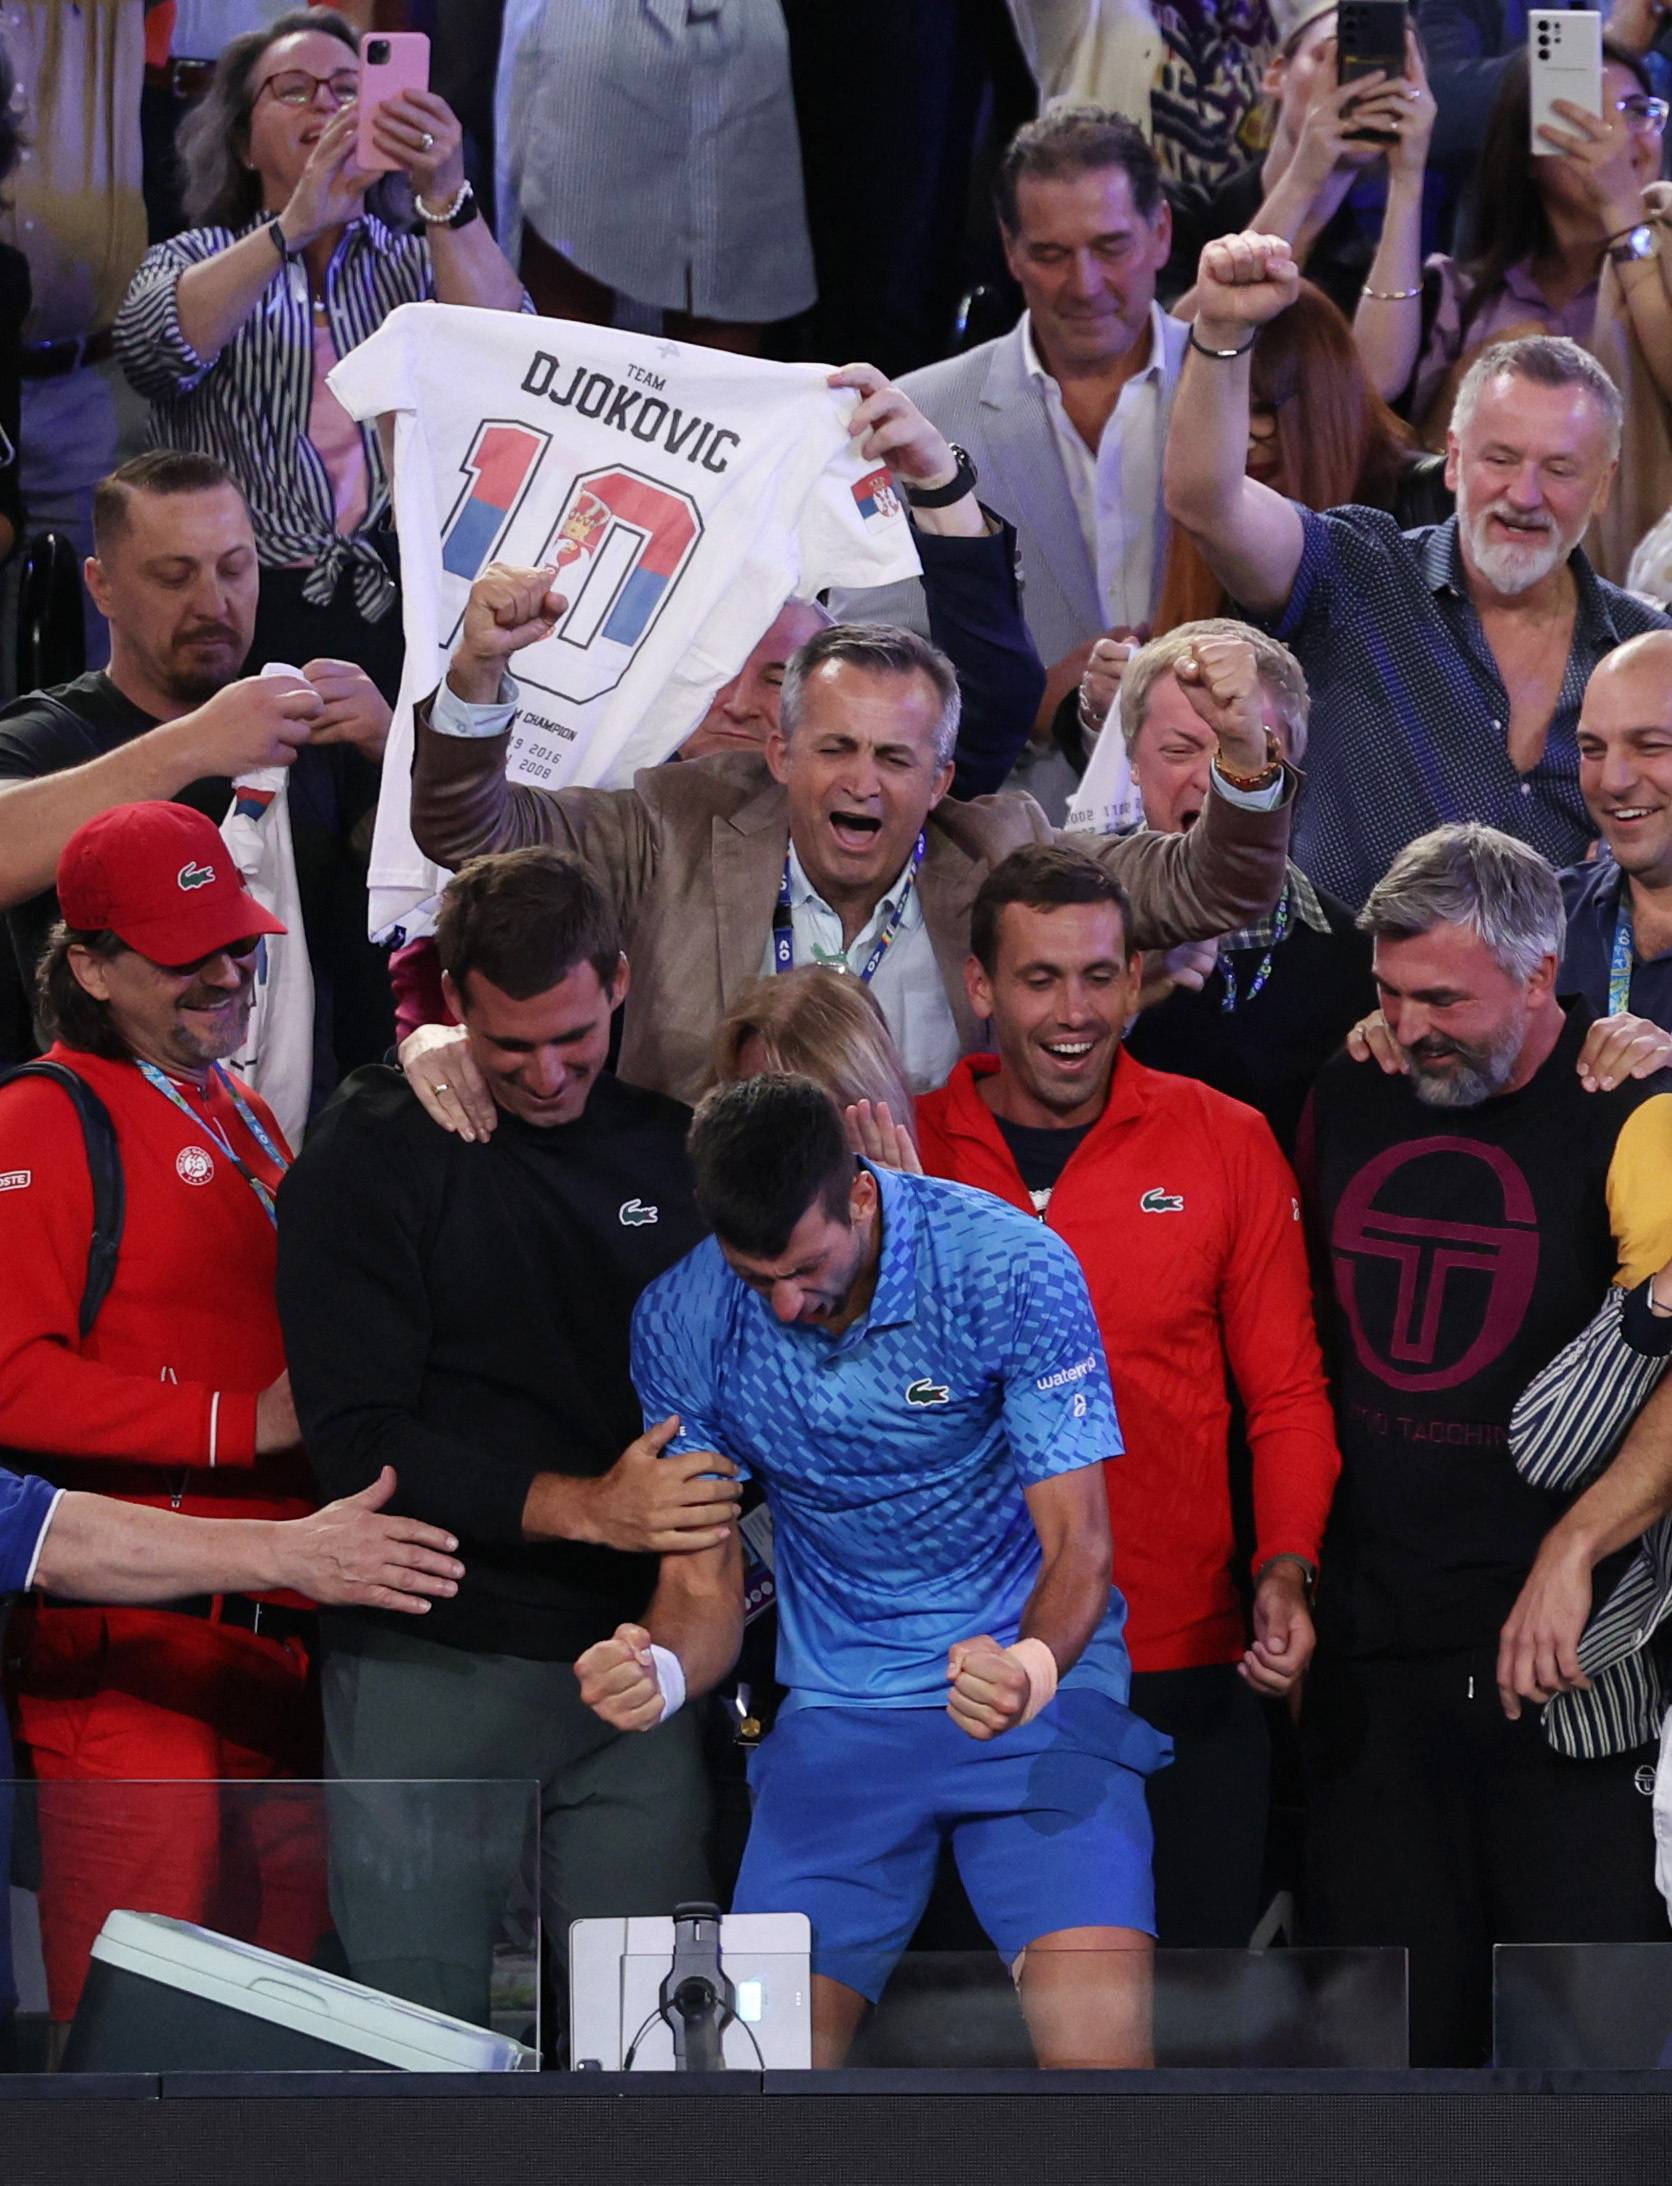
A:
x,y
390,62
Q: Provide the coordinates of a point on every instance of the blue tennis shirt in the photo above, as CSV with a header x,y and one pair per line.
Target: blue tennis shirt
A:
x,y
895,1456
25,1506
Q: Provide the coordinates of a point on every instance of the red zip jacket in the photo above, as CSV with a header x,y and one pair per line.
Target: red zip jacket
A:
x,y
159,1403
1186,1221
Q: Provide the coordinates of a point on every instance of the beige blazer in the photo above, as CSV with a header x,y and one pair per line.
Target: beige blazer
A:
x,y
693,854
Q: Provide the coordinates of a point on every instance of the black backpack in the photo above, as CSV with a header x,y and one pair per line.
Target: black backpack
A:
x,y
104,1168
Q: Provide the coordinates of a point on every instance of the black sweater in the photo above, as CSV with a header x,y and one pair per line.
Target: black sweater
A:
x,y
461,1313
1268,1050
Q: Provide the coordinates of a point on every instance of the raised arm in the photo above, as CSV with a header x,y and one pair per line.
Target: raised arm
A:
x,y
1250,537
1388,322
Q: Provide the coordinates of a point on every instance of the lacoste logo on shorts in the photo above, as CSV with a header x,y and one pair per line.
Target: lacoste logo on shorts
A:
x,y
926,1392
634,1212
194,1165
1160,1202
16,1180
194,876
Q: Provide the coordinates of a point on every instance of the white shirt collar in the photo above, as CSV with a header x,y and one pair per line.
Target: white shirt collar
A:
x,y
1033,364
803,894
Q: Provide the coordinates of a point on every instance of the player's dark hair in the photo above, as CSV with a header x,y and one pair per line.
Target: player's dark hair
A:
x,y
1043,876
65,1008
526,919
762,1152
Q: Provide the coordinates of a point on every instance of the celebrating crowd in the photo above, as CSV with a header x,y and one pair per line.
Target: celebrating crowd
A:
x,y
1117,1086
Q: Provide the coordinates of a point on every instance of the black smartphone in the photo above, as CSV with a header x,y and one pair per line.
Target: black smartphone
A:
x,y
1370,40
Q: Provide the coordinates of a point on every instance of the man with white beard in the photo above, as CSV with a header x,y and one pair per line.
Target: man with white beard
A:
x,y
1446,663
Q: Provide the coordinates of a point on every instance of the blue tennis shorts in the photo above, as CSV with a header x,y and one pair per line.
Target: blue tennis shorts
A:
x,y
1048,1824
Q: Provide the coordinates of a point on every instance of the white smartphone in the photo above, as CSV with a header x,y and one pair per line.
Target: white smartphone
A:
x,y
1564,61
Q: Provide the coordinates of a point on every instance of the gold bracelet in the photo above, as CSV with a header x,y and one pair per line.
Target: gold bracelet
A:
x,y
1392,295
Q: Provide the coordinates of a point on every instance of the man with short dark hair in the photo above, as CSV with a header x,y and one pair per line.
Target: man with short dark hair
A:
x,y
1065,417
463,1311
842,848
1469,1212
174,569
1447,663
914,1375
1183,1216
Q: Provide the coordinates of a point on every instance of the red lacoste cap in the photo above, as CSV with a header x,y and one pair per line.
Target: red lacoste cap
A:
x,y
161,879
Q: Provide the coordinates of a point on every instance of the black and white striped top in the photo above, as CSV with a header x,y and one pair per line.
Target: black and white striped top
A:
x,y
249,406
1566,1429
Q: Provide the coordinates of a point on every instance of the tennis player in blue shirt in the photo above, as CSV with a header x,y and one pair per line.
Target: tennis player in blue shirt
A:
x,y
913,1371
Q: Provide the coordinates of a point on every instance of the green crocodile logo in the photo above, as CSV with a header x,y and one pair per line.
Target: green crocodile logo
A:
x,y
194,876
928,1392
634,1213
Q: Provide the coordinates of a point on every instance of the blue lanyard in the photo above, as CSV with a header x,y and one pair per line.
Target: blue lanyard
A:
x,y
246,1116
1620,957
783,925
1228,969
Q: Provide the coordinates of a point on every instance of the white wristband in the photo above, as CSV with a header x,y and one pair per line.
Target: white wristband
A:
x,y
670,1680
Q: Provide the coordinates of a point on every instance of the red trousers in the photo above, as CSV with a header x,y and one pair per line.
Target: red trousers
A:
x,y
177,1762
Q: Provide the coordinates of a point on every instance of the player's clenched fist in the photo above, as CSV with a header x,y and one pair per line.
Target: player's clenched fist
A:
x,y
989,1689
508,609
618,1680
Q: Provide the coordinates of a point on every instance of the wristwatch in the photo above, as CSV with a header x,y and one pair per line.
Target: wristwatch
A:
x,y
942,497
1263,777
1636,243
286,254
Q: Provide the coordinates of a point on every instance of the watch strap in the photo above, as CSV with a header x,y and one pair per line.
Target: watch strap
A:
x,y
963,481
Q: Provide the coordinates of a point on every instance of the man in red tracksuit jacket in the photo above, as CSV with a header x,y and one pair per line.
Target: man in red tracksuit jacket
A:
x,y
1184,1217
176,1397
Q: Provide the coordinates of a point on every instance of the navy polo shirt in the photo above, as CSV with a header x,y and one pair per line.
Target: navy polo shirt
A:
x,y
1409,713
1591,893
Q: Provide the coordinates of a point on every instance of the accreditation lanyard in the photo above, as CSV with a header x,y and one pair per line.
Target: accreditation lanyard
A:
x,y
783,925
246,1116
1620,957
1228,969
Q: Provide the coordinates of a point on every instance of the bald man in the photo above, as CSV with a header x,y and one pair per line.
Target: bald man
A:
x,y
1619,903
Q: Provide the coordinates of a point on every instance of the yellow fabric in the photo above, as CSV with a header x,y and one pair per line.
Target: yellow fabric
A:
x,y
1640,1190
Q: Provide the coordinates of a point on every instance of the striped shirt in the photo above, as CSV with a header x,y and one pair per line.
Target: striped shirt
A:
x,y
1564,1432
250,405
653,143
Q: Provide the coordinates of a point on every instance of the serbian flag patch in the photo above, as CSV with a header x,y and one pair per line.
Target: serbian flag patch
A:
x,y
874,497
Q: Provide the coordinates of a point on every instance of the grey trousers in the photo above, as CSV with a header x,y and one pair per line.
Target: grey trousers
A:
x,y
426,1863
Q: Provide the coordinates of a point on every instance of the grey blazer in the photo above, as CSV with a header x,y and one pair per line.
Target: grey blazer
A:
x,y
987,402
692,857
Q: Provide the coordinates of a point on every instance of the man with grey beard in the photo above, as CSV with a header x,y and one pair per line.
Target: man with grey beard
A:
x,y
1446,663
1468,1213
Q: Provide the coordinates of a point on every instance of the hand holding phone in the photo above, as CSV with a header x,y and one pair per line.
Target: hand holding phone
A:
x,y
392,65
1370,41
1564,62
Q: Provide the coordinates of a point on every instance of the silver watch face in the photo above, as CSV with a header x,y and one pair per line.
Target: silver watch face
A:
x,y
1638,243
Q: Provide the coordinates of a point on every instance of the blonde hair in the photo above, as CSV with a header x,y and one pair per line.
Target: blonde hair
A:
x,y
820,1024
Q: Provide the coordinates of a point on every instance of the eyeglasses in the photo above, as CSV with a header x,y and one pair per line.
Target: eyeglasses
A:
x,y
298,87
237,949
1643,114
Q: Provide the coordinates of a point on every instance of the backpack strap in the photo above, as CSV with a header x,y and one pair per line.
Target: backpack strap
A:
x,y
104,1169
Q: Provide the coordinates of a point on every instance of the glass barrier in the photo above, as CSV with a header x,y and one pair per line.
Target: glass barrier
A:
x,y
1602,2007
962,2010
276,1925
